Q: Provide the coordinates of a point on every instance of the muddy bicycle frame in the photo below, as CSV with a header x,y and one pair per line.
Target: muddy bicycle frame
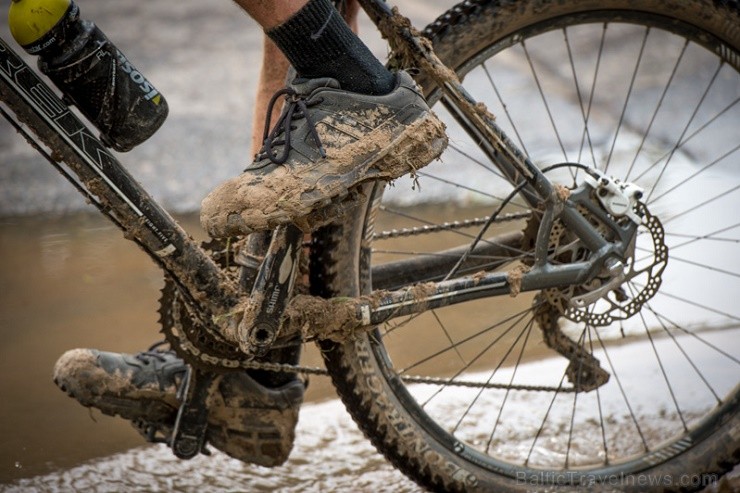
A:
x,y
215,298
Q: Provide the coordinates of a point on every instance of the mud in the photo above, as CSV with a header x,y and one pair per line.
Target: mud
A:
x,y
318,318
484,111
421,292
249,311
406,55
562,192
252,201
339,319
78,372
514,278
253,424
478,276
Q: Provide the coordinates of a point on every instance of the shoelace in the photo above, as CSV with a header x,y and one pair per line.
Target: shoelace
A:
x,y
154,352
297,108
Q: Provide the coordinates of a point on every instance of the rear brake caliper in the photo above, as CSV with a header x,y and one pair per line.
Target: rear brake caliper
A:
x,y
618,198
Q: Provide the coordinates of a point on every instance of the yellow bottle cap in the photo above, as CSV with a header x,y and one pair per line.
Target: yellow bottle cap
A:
x,y
30,20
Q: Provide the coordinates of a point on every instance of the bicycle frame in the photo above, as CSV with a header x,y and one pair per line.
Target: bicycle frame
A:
x,y
218,301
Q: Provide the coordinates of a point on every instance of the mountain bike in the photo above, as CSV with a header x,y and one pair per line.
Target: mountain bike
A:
x,y
587,277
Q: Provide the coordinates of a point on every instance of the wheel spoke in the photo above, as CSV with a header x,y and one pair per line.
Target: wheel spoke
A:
x,y
449,338
657,109
544,420
517,318
506,109
683,133
689,138
627,98
585,113
602,425
622,392
644,100
527,329
694,208
508,390
461,186
544,100
683,352
665,293
662,366
697,173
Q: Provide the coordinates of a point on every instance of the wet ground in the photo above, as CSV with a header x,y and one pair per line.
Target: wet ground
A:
x,y
75,282
329,455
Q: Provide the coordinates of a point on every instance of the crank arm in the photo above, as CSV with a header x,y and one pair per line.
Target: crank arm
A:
x,y
272,290
189,435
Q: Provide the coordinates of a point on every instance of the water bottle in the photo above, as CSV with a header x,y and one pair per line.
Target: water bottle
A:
x,y
89,70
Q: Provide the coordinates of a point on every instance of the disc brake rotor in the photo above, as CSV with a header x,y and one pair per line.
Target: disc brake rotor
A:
x,y
552,304
643,277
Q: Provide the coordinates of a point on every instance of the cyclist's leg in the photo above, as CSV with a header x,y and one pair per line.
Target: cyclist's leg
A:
x,y
319,44
349,120
272,79
273,76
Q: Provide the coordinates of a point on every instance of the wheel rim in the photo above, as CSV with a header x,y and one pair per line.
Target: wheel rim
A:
x,y
629,122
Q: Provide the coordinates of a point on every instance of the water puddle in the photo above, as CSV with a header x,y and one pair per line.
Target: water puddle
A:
x,y
75,282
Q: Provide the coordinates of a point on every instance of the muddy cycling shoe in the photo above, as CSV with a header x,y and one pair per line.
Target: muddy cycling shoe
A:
x,y
246,420
325,143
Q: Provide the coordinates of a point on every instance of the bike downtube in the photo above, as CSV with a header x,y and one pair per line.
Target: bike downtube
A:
x,y
121,197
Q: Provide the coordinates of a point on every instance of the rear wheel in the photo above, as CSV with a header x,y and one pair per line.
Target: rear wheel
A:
x,y
475,396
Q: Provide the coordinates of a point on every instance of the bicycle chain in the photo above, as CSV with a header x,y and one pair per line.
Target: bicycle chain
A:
x,y
450,226
189,340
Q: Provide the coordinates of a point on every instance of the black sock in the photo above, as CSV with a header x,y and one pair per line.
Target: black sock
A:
x,y
319,43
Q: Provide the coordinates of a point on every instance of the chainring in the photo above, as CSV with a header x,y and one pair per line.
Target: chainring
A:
x,y
199,346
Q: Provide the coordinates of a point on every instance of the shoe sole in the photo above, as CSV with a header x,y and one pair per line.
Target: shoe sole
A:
x,y
140,406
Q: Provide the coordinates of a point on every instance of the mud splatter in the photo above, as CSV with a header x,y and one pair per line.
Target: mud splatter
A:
x,y
391,29
77,373
562,192
484,111
514,278
334,319
420,293
478,276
